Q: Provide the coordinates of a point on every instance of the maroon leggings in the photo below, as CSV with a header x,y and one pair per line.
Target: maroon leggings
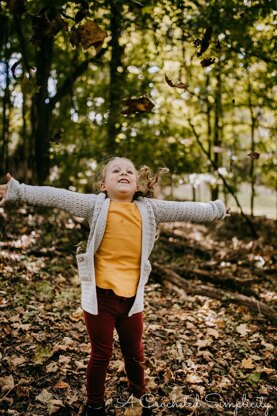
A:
x,y
113,313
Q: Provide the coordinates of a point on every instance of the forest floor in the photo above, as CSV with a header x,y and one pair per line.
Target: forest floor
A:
x,y
204,356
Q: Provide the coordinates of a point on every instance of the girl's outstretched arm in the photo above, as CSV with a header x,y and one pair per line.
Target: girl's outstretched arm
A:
x,y
78,204
171,211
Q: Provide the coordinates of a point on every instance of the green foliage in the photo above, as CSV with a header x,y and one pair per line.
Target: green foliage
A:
x,y
156,39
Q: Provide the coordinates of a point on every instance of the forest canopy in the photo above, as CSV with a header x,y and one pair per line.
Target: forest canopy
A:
x,y
184,84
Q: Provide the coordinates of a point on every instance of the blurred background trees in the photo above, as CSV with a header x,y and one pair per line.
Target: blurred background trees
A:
x,y
72,72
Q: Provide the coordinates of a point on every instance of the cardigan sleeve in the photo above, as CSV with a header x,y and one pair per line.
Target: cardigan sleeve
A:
x,y
198,212
78,204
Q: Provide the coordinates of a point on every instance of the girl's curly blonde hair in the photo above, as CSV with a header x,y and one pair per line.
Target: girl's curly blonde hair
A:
x,y
147,184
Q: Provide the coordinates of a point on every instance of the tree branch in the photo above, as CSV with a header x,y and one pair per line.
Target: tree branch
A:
x,y
250,224
79,70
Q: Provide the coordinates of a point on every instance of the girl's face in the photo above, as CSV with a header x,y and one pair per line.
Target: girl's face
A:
x,y
120,181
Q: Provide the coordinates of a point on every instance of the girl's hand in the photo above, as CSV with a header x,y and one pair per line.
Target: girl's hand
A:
x,y
4,190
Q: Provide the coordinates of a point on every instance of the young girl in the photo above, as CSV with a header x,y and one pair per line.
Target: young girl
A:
x,y
115,266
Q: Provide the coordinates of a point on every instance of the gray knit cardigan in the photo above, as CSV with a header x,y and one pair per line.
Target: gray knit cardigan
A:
x,y
94,208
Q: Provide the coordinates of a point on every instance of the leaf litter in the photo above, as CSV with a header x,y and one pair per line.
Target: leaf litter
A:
x,y
202,356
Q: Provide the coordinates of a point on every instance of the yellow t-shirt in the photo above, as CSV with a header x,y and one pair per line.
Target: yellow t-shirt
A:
x,y
117,260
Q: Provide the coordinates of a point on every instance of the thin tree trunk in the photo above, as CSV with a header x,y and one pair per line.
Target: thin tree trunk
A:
x,y
252,173
115,92
217,141
5,120
40,111
209,125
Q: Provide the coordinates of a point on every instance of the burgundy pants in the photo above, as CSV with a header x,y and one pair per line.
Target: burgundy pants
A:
x,y
113,313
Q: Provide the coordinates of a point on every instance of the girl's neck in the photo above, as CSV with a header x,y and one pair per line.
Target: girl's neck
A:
x,y
121,202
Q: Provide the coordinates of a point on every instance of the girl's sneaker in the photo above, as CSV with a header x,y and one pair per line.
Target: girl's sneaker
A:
x,y
94,410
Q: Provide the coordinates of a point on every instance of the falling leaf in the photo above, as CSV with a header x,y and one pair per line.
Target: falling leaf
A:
x,y
247,363
137,105
253,155
205,42
177,85
207,62
91,35
81,14
14,66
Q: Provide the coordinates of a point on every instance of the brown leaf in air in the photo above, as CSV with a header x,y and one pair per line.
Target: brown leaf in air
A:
x,y
181,85
205,42
92,35
137,105
207,62
15,65
253,155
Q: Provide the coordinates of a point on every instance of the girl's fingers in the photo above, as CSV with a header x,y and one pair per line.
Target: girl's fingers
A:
x,y
2,201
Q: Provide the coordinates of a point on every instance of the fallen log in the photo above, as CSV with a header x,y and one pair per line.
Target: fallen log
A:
x,y
241,285
215,293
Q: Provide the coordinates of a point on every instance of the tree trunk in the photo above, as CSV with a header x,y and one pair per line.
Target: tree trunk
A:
x,y
40,110
217,140
209,126
252,173
6,100
5,121
115,92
